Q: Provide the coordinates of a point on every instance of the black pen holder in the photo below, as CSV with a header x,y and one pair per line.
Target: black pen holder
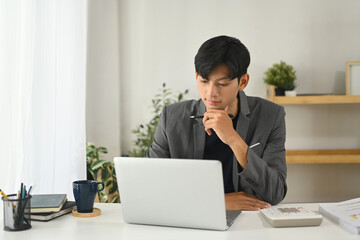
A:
x,y
17,213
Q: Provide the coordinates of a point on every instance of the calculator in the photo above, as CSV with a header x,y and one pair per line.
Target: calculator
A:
x,y
291,217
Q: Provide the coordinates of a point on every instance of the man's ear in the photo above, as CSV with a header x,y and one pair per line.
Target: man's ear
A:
x,y
196,74
244,80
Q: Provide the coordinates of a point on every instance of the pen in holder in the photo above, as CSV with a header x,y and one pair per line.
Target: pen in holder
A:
x,y
17,213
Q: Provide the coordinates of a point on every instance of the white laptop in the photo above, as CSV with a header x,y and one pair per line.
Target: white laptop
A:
x,y
173,192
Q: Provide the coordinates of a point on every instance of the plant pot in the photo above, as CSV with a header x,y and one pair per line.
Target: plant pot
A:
x,y
290,93
279,91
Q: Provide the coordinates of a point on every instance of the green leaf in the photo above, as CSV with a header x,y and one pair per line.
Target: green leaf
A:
x,y
107,164
108,183
105,198
115,199
97,164
144,134
113,190
91,172
102,150
105,174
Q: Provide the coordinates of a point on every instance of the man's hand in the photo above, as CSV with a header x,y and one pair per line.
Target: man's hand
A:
x,y
221,123
244,201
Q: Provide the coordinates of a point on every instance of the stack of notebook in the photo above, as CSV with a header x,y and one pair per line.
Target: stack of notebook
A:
x,y
45,207
346,214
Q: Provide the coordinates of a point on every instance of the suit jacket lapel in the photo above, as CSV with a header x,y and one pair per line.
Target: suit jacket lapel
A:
x,y
243,122
242,127
199,132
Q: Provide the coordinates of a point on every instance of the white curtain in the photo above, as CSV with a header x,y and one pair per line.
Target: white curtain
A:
x,y
42,94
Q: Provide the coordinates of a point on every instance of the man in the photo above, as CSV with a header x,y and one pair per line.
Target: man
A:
x,y
247,134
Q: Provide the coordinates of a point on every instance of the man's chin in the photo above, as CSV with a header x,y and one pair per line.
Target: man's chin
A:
x,y
208,107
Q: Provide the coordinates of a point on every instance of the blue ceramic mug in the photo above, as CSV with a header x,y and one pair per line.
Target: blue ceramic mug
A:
x,y
85,192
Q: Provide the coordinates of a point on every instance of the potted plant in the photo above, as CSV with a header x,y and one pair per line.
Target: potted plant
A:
x,y
283,77
145,132
102,171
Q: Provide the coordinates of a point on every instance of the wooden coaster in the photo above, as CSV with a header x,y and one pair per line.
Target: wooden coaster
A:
x,y
96,212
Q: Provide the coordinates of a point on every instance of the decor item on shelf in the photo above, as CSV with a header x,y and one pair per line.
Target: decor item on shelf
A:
x,y
283,77
290,93
102,171
352,78
145,132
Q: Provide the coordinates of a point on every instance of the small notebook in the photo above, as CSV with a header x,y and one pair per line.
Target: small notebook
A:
x,y
47,203
67,208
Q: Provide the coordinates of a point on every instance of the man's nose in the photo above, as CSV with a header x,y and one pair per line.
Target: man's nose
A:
x,y
213,90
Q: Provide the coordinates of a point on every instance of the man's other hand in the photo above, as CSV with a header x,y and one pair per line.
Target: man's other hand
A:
x,y
244,201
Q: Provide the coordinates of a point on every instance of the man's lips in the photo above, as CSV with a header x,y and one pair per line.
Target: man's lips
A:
x,y
212,102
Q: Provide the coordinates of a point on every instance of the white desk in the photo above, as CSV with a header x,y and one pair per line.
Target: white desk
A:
x,y
110,225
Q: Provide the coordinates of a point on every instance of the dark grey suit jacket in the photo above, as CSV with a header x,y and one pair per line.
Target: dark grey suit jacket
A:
x,y
260,121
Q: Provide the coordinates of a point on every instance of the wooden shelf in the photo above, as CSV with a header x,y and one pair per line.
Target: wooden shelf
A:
x,y
313,99
323,99
323,156
317,156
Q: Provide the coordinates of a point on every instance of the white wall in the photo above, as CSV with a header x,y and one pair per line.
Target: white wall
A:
x,y
102,93
158,42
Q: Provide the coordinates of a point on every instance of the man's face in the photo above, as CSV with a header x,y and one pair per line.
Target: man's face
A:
x,y
219,90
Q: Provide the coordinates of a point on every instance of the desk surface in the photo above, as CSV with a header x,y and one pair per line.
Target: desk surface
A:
x,y
110,225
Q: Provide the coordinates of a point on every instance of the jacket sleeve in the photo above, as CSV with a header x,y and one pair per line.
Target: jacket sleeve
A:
x,y
160,147
266,172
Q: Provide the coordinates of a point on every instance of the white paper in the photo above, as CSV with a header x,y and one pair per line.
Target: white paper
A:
x,y
346,212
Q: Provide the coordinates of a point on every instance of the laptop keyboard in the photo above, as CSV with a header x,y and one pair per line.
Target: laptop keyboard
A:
x,y
231,215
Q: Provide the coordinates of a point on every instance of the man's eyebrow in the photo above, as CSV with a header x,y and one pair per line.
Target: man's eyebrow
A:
x,y
223,78
219,79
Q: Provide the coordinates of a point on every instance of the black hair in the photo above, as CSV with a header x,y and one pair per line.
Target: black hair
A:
x,y
222,50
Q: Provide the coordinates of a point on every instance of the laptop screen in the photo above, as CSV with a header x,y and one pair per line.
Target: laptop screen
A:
x,y
172,192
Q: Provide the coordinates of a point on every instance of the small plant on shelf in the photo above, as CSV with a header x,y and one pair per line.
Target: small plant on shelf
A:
x,y
282,76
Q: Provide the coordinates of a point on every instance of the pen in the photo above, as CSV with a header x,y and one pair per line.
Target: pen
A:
x,y
193,116
30,189
4,195
254,145
21,190
25,198
19,206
